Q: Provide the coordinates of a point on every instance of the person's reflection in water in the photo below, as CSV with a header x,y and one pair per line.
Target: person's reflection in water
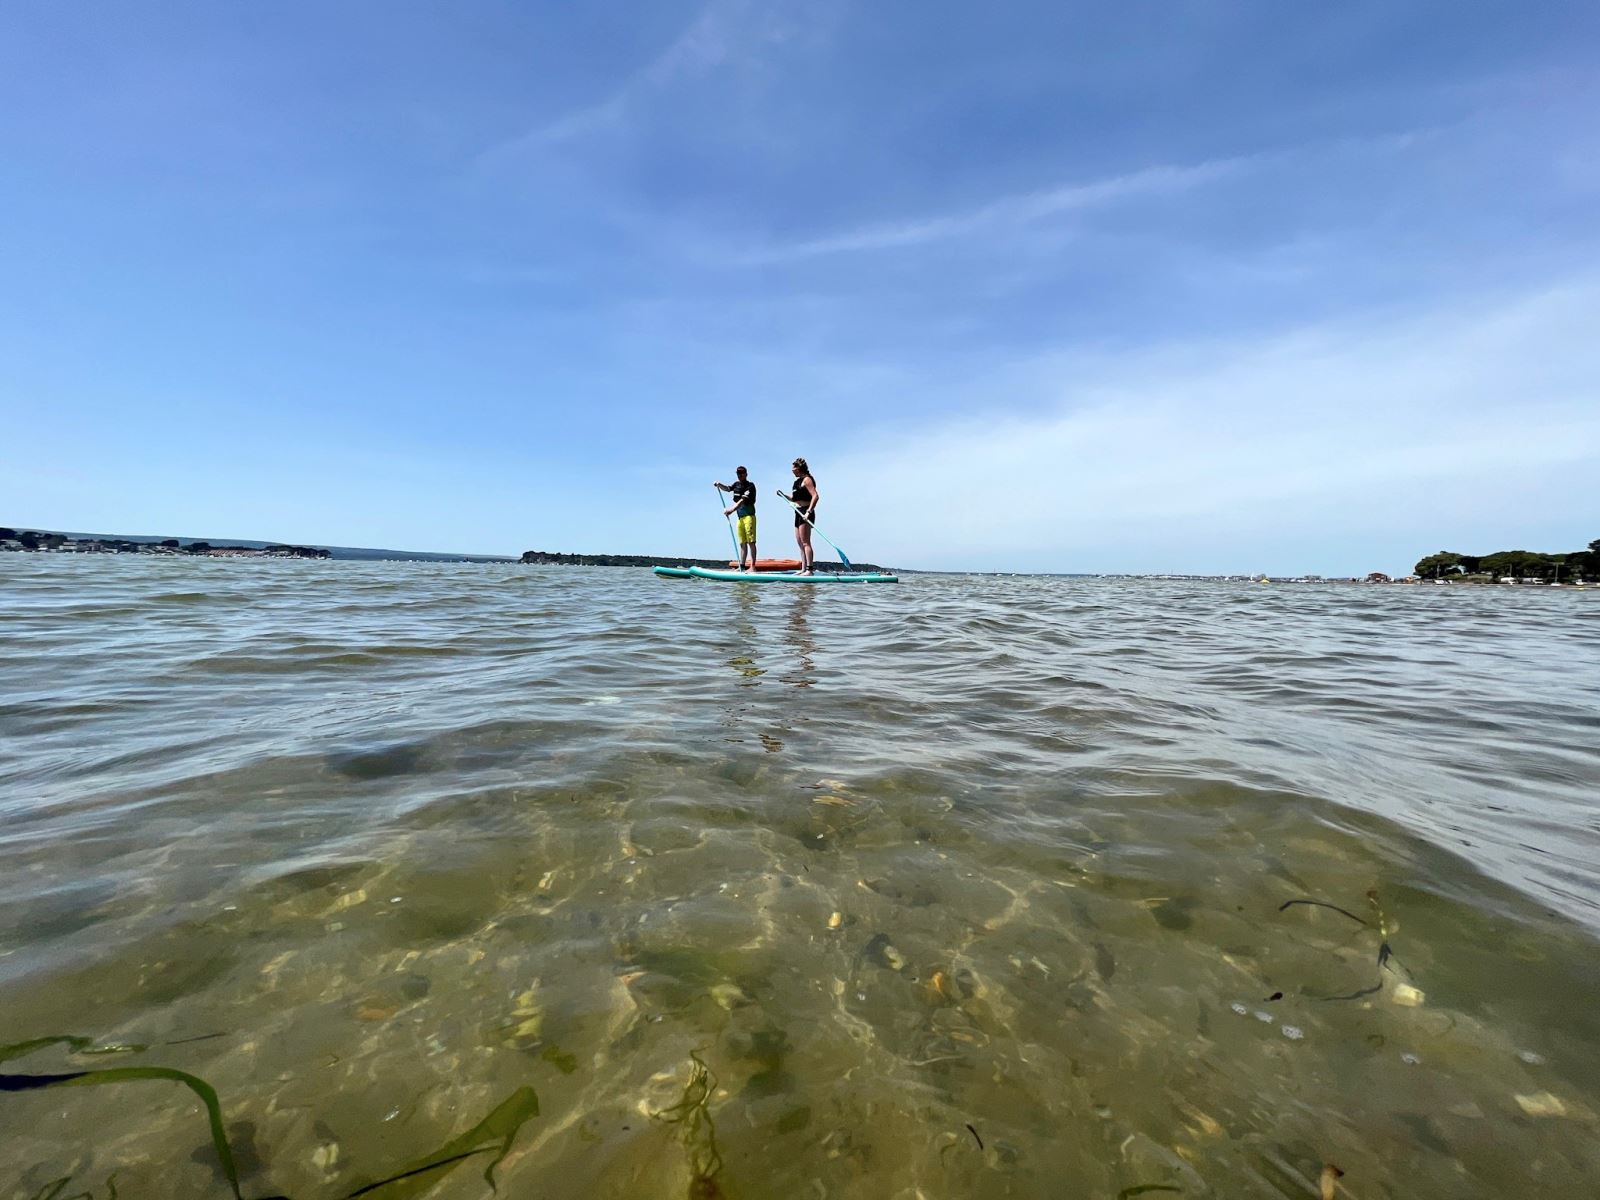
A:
x,y
744,630
799,639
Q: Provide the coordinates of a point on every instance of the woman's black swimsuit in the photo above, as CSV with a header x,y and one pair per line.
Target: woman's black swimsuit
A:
x,y
802,500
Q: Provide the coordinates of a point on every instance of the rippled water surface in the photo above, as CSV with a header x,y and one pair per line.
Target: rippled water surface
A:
x,y
964,887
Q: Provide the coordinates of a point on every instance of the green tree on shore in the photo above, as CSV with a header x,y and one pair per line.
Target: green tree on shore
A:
x,y
1514,564
1437,566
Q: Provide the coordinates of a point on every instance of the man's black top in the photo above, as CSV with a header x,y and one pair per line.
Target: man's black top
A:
x,y
744,495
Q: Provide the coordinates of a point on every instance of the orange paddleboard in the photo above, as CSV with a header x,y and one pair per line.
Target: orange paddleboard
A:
x,y
772,564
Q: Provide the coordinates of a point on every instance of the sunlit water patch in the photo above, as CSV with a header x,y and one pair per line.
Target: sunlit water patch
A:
x,y
604,885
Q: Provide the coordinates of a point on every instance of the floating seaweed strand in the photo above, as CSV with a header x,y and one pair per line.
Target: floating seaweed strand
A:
x,y
496,1132
53,1190
1386,954
202,1089
699,1133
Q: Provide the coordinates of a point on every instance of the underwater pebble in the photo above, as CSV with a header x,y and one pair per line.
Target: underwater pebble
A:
x,y
836,920
1531,1057
395,1113
349,900
326,1157
1410,1059
729,996
1408,996
1240,1009
1293,1032
529,1013
940,988
1542,1104
1264,1017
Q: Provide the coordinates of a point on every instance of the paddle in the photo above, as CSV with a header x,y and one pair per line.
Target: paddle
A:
x,y
814,528
732,537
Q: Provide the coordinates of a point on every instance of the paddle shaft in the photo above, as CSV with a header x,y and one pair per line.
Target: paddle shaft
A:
x,y
814,528
732,537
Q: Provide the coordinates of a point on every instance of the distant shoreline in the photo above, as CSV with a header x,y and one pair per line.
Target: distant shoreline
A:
x,y
32,542
59,542
63,542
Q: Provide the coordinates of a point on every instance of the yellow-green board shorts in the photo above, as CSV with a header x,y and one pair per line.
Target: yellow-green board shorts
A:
x,y
747,530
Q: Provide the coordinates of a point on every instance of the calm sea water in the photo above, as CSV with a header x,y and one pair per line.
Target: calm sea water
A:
x,y
965,887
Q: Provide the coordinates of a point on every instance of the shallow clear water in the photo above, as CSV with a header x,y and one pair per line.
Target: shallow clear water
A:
x,y
910,869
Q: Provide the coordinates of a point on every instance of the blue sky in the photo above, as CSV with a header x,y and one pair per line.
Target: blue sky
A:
x,y
1141,286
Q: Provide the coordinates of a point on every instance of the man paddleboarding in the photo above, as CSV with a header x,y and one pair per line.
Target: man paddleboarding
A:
x,y
804,498
744,505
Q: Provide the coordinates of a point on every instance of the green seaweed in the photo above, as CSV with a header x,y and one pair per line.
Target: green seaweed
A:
x,y
794,1120
768,1049
74,1044
699,1133
565,1063
498,1129
52,1190
202,1089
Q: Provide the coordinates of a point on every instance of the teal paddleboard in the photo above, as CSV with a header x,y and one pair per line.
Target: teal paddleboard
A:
x,y
674,572
783,577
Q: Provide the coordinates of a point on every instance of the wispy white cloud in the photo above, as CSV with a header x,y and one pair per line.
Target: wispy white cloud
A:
x,y
1019,210
1405,431
1006,212
705,43
722,31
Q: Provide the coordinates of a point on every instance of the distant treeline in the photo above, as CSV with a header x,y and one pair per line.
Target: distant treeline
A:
x,y
1515,564
60,543
546,557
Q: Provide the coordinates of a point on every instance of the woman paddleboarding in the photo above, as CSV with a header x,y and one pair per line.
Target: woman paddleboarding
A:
x,y
804,499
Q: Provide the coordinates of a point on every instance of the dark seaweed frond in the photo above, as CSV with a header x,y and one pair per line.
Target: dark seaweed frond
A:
x,y
202,1089
692,1112
1322,904
75,1044
495,1132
